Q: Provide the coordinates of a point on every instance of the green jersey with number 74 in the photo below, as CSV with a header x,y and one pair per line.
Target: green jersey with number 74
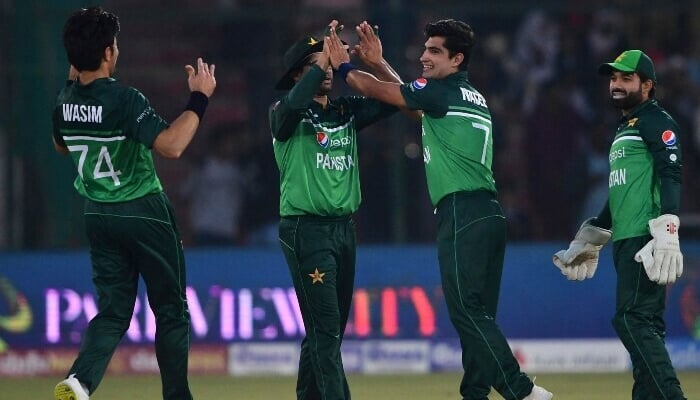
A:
x,y
109,130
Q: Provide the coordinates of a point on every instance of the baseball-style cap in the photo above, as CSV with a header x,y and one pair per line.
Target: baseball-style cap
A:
x,y
630,61
294,56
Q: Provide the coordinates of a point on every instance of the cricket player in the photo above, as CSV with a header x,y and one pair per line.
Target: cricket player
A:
x,y
109,130
457,151
641,218
315,146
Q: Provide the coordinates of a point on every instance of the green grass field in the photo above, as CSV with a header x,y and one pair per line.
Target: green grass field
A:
x,y
376,387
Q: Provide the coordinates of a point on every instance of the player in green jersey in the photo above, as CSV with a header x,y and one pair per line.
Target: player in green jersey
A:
x,y
315,145
109,130
641,217
457,151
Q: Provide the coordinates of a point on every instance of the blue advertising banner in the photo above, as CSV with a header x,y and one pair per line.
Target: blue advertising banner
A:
x,y
245,295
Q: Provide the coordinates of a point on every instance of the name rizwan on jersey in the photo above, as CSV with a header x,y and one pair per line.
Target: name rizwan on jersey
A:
x,y
82,113
336,163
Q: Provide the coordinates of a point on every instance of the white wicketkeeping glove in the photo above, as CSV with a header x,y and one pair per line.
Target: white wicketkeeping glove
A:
x,y
661,256
580,260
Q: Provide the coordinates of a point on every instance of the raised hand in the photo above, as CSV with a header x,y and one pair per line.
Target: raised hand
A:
x,y
203,79
337,51
369,50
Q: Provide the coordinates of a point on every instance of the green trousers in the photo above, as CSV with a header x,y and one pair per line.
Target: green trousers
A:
x,y
320,253
128,240
639,322
471,246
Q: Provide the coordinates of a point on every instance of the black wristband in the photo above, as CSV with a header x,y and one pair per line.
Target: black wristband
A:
x,y
344,69
198,104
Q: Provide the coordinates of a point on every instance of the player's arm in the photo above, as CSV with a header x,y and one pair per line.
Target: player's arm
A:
x,y
286,113
665,149
661,256
58,143
173,141
59,148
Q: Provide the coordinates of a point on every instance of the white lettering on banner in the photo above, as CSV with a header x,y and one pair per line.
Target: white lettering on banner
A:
x,y
684,353
82,113
473,97
618,177
267,313
384,356
575,355
263,358
335,163
23,364
426,154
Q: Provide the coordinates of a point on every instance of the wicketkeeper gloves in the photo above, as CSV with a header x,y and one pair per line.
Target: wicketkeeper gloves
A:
x,y
580,260
662,257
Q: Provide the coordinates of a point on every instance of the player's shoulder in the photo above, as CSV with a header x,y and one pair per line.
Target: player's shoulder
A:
x,y
655,117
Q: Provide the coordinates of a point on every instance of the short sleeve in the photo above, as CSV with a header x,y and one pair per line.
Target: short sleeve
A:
x,y
427,95
142,123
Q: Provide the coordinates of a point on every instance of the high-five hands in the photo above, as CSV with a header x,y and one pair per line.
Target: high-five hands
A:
x,y
337,51
369,50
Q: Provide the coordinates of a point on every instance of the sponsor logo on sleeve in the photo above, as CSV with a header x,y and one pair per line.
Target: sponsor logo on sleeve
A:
x,y
419,83
668,137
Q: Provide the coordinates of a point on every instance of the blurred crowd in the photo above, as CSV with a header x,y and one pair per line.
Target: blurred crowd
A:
x,y
537,68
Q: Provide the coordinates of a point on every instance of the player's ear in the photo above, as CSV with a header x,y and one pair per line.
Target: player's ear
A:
x,y
457,59
647,86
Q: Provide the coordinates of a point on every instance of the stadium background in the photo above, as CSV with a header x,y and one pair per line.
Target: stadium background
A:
x,y
536,64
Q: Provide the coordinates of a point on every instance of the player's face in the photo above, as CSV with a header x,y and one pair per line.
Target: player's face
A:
x,y
626,91
326,84
436,59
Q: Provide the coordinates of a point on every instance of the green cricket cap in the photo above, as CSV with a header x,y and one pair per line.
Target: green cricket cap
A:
x,y
295,56
630,61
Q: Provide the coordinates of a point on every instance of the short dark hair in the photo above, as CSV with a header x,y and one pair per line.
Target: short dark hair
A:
x,y
643,78
459,37
86,34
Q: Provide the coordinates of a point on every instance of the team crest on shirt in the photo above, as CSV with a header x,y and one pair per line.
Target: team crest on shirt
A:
x,y
322,139
419,83
668,137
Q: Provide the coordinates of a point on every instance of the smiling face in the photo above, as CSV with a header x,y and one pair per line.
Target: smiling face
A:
x,y
436,59
627,90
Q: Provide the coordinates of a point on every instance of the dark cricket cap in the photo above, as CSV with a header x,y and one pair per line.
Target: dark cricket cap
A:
x,y
295,56
630,61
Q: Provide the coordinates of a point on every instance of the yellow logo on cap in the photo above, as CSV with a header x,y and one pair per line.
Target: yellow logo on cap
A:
x,y
312,41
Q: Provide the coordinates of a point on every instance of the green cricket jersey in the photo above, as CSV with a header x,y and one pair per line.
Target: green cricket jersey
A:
x,y
457,134
109,129
316,148
645,170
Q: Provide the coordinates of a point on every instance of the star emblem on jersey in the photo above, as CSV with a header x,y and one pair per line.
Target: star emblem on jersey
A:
x,y
631,122
317,276
312,41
